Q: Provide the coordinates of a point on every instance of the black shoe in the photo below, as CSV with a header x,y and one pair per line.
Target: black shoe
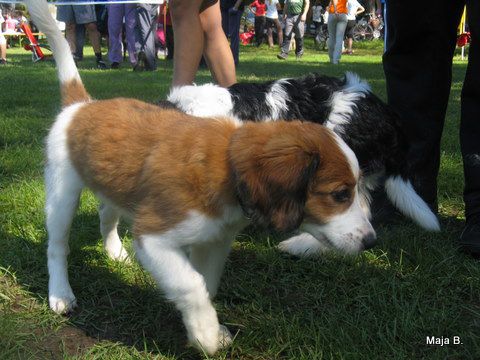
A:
x,y
3,61
470,238
299,55
101,65
115,65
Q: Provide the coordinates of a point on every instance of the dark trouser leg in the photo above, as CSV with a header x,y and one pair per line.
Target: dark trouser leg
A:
x,y
79,40
234,31
146,32
470,122
299,32
418,76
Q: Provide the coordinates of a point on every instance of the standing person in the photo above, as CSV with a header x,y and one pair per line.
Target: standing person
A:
x,y
354,8
81,14
337,23
197,30
273,22
260,20
418,78
295,14
3,41
232,11
145,32
116,15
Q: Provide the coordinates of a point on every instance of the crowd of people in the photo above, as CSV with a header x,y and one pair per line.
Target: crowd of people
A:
x,y
140,29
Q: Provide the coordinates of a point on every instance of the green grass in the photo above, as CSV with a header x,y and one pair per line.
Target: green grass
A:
x,y
379,305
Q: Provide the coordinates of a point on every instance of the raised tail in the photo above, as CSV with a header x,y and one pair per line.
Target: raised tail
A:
x,y
404,197
71,85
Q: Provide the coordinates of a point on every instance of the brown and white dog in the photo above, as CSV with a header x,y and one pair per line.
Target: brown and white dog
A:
x,y
188,186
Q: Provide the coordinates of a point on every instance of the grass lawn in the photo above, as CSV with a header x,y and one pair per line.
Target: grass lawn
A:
x,y
381,304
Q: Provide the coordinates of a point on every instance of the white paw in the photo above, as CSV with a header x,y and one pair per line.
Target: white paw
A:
x,y
118,254
304,245
211,341
62,304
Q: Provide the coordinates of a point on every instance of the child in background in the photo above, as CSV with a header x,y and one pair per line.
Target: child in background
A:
x,y
260,20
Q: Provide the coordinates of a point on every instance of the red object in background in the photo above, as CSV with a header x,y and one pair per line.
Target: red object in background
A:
x,y
247,37
463,39
37,53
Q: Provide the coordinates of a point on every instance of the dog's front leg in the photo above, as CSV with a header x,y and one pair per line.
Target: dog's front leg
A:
x,y
186,287
209,260
304,245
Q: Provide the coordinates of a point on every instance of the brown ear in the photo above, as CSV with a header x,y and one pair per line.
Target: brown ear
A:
x,y
272,166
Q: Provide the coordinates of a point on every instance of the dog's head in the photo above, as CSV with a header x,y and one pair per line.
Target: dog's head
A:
x,y
292,174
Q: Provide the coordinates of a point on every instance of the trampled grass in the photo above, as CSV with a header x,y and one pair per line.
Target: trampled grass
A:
x,y
379,305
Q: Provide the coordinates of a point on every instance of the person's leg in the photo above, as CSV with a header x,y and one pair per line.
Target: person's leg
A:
x,y
261,29
418,79
258,35
115,24
340,33
234,31
66,14
130,24
470,124
94,37
279,32
289,22
146,23
3,49
299,33
216,49
269,25
79,40
189,40
332,31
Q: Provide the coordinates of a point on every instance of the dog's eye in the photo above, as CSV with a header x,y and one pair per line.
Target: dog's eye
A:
x,y
341,196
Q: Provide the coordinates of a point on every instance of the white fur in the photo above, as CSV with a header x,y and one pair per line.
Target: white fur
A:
x,y
63,187
277,98
203,100
343,102
404,197
304,245
40,14
190,282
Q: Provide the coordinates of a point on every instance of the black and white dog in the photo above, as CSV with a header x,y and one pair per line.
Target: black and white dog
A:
x,y
348,107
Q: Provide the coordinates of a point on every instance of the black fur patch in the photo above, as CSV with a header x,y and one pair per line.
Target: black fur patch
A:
x,y
374,131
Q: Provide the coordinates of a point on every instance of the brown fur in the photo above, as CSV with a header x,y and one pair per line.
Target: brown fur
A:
x,y
73,92
285,165
159,164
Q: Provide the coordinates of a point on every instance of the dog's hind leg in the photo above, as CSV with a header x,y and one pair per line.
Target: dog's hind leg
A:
x,y
109,218
185,286
209,260
63,188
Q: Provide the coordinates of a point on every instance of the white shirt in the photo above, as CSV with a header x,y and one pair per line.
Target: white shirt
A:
x,y
317,13
272,12
352,7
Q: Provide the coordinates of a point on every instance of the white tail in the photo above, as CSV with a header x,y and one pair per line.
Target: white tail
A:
x,y
67,70
404,197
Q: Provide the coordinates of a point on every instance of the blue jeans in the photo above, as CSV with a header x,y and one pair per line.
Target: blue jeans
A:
x,y
231,27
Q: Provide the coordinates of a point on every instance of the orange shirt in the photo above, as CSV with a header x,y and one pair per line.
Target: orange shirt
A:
x,y
341,7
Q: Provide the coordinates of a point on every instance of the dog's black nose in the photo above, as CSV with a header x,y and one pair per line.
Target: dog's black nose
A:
x,y
369,240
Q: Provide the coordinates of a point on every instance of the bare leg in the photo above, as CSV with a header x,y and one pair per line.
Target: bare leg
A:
x,y
94,37
70,35
3,48
217,51
189,40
